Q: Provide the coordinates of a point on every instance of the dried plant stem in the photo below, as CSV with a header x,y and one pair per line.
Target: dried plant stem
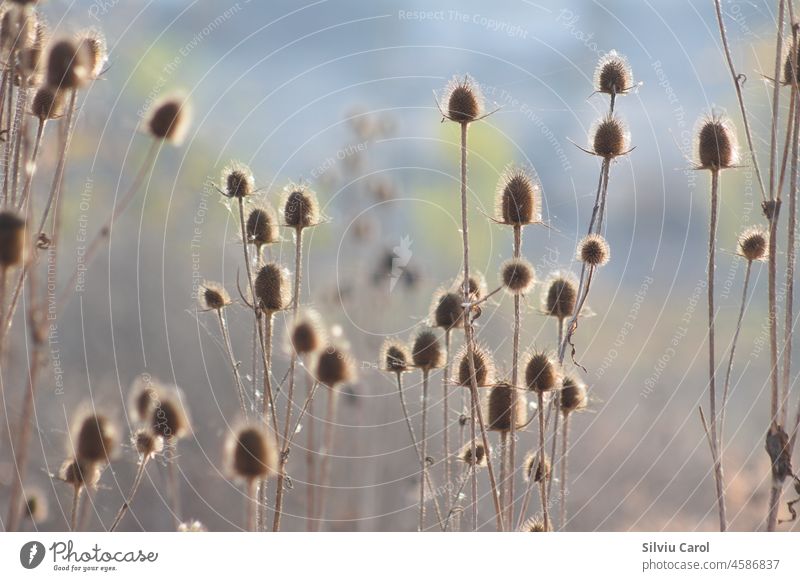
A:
x,y
469,341
564,457
423,451
268,404
328,441
251,505
19,130
775,489
310,456
223,326
503,471
542,481
126,504
76,501
30,169
455,510
776,94
512,452
174,491
526,500
446,408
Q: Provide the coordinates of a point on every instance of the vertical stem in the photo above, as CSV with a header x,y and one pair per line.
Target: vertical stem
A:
x,y
423,451
512,457
310,460
137,480
73,515
174,492
58,175
232,360
30,168
503,469
542,481
251,504
446,412
328,441
564,453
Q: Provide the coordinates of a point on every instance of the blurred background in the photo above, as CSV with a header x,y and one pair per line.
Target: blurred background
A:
x,y
342,95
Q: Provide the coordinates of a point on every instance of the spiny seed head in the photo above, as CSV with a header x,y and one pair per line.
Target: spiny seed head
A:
x,y
192,526
533,525
273,288
300,207
533,469
447,309
395,356
560,295
169,417
67,65
307,334
464,100
518,198
573,394
613,74
541,372
754,244
476,283
95,439
484,366
17,28
93,43
334,366
213,296
788,66
481,457
427,352
593,250
262,225
36,505
506,402
78,473
47,103
610,138
169,118
143,397
517,276
30,58
715,143
251,453
147,443
12,239
238,180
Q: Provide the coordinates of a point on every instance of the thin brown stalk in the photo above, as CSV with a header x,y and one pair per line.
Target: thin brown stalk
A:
x,y
446,408
137,480
223,326
456,509
30,168
251,505
19,130
564,458
503,471
328,441
542,481
310,456
174,490
512,452
73,515
423,451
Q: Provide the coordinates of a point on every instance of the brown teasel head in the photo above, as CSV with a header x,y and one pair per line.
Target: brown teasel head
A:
x,y
262,226
715,144
36,505
541,372
502,406
300,207
613,75
251,453
610,138
237,180
427,352
754,244
334,366
169,118
778,449
518,198
169,418
395,357
30,58
593,250
533,525
212,296
533,469
483,364
143,397
79,474
147,443
93,43
95,439
789,67
481,457
192,526
573,394
67,65
307,333
447,310
560,295
47,103
273,288
517,276
463,100
12,239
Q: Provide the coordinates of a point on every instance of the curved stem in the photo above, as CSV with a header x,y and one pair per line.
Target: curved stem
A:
x,y
137,480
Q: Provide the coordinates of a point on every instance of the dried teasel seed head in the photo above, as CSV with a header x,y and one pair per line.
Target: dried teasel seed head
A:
x,y
30,58
142,399
463,100
93,43
754,244
476,284
212,296
36,505
447,310
47,103
334,366
67,65
716,144
541,372
533,525
518,198
147,443
169,118
262,225
12,239
307,334
273,288
481,457
17,28
788,66
251,453
95,439
533,469
610,138
613,74
237,180
573,394
560,295
300,207
192,526
593,250
427,352
395,356
169,417
484,366
503,405
517,276
79,474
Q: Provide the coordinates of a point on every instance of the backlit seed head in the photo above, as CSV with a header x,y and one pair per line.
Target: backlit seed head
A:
x,y
169,417
95,439
79,474
36,505
610,138
334,366
517,276
533,525
593,250
238,180
560,295
754,244
447,309
143,397
47,103
251,453
715,143
427,352
17,27
147,443
273,288
262,225
30,59
541,372
788,65
307,334
463,99
12,239
518,198
506,402
573,394
484,367
93,43
213,296
395,356
481,457
533,469
192,526
300,207
67,65
169,118
613,74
